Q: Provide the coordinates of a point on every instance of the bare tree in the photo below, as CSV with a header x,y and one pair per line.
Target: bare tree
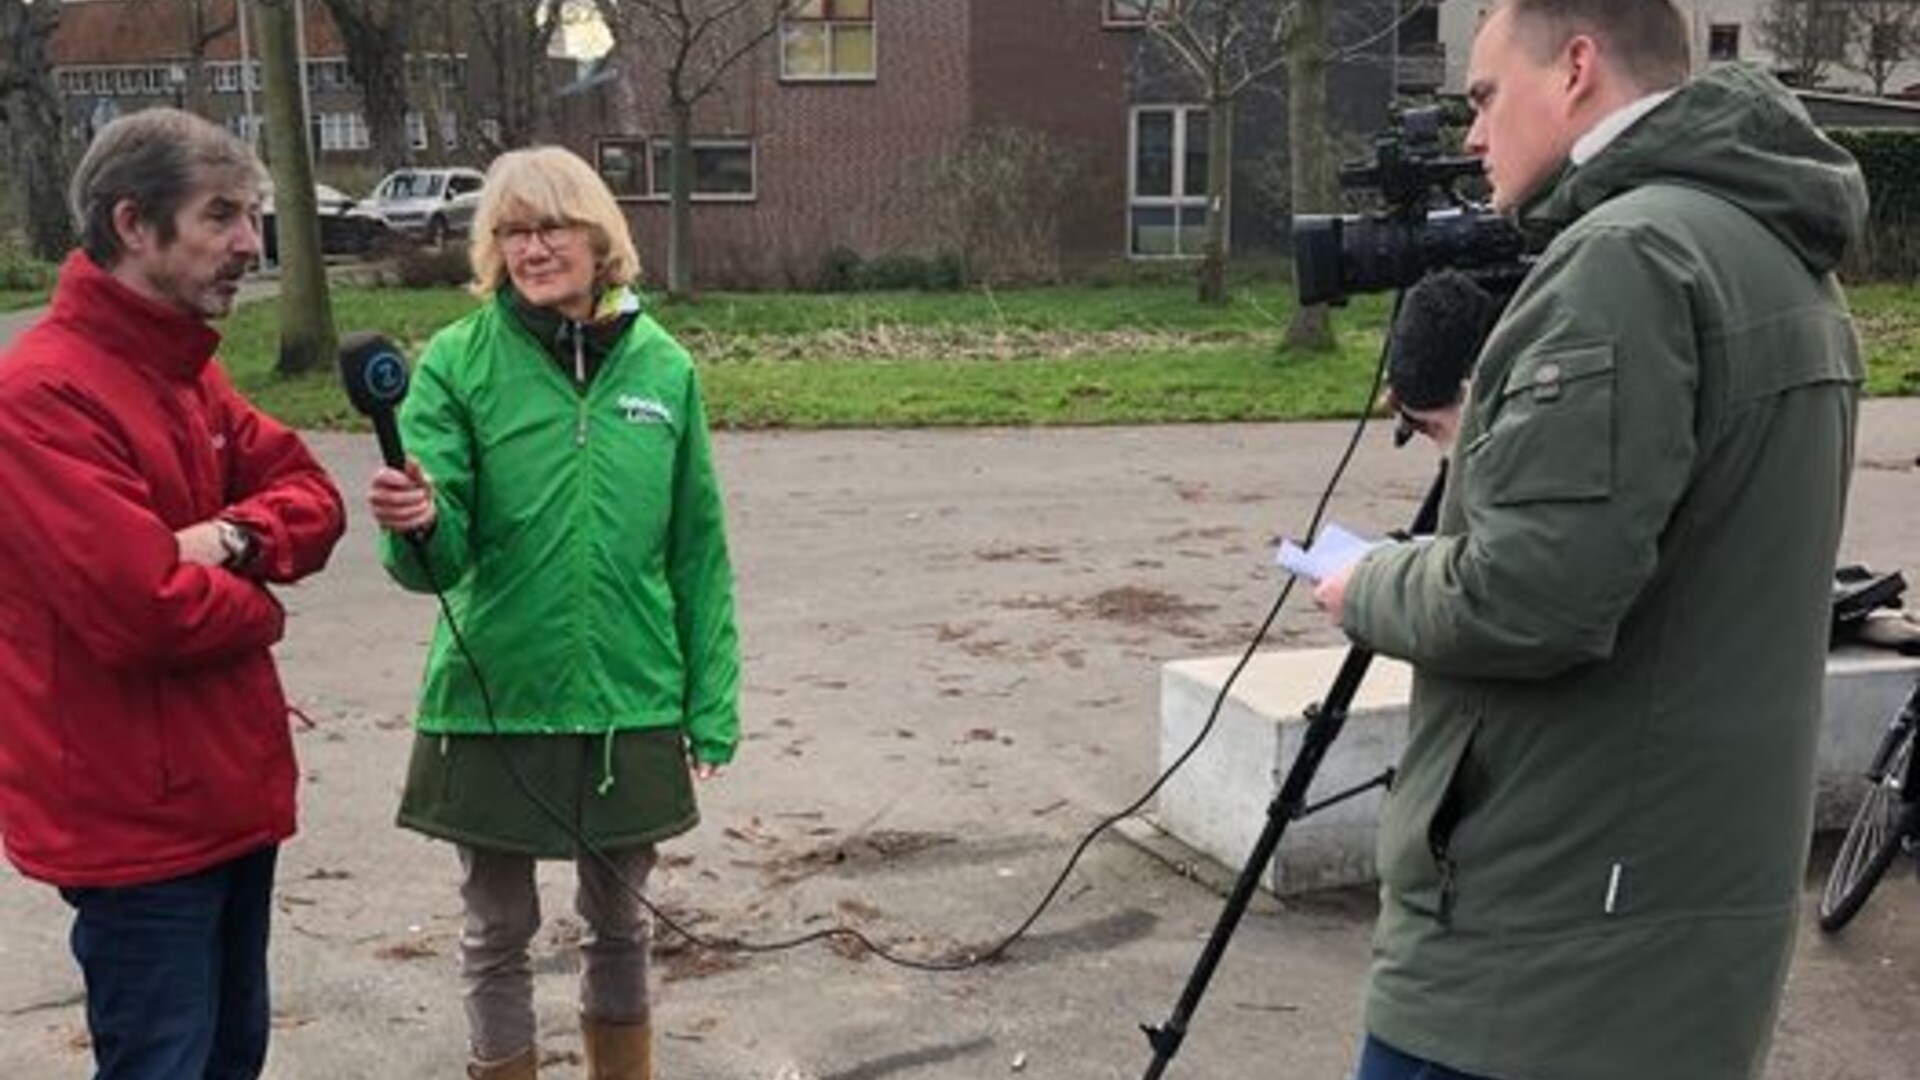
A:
x,y
1310,140
30,115
516,35
306,312
1886,34
1807,38
1226,48
1223,48
694,44
377,35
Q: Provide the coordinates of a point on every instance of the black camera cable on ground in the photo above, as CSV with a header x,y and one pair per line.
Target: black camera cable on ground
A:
x,y
376,380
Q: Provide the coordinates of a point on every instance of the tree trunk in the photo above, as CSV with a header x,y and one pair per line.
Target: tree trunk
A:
x,y
376,38
1213,263
1310,149
680,233
35,140
306,314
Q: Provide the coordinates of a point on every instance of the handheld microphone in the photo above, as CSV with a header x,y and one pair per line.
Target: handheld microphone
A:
x,y
1443,320
375,376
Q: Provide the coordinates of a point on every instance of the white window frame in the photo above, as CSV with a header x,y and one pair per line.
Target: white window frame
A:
x,y
342,132
659,189
1132,14
634,146
1178,200
832,26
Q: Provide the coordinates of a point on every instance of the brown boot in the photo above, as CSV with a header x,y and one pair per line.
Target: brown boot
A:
x,y
618,1051
522,1066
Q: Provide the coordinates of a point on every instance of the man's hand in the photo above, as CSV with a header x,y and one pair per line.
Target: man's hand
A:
x,y
1331,593
403,501
705,770
200,545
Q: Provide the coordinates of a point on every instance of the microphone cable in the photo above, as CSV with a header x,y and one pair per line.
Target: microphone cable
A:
x,y
963,959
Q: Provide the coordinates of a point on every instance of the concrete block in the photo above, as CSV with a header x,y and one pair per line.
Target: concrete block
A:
x,y
1217,803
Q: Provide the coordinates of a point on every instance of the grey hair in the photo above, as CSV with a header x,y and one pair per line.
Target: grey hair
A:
x,y
156,159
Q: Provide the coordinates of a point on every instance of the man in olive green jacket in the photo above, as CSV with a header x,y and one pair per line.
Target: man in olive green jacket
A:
x,y
1591,857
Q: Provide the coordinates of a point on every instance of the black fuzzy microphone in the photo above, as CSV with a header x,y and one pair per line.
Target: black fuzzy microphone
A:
x,y
1443,320
375,375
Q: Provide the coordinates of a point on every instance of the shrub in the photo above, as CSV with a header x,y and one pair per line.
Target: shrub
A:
x,y
1890,160
431,268
839,270
21,272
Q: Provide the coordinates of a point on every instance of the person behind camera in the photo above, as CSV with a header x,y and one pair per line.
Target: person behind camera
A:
x,y
564,495
1592,854
146,763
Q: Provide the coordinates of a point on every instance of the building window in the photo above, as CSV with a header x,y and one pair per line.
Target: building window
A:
x,y
342,131
248,128
416,130
1829,30
640,168
1134,12
1723,42
722,170
826,40
1167,191
623,165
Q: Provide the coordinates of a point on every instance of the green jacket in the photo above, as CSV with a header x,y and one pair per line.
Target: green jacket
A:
x,y
579,538
1591,858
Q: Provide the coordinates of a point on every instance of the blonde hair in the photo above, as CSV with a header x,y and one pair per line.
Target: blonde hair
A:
x,y
552,184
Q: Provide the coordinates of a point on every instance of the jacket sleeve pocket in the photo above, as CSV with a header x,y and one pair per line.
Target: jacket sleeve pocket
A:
x,y
1551,438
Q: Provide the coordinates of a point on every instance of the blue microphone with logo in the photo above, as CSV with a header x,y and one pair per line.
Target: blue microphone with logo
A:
x,y
375,375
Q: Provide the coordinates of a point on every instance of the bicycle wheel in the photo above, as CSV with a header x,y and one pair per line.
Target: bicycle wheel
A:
x,y
1872,841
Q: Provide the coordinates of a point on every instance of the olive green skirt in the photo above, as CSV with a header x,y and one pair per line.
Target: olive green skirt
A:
x,y
488,791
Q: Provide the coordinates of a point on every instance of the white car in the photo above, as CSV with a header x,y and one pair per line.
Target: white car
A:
x,y
430,204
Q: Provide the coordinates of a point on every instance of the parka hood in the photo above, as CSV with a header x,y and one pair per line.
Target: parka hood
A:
x,y
1738,133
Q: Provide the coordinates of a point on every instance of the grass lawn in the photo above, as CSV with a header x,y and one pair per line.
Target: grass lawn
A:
x,y
15,299
1133,354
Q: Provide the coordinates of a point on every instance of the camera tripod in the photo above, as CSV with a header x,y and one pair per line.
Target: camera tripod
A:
x,y
1324,721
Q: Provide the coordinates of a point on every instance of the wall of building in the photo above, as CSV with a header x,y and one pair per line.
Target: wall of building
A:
x,y
1051,66
838,164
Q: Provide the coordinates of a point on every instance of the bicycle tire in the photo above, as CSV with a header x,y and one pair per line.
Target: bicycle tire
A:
x,y
1874,837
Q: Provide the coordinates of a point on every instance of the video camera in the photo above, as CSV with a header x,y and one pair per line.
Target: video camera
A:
x,y
1426,225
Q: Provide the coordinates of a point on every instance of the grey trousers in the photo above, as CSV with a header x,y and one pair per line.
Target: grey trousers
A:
x,y
503,914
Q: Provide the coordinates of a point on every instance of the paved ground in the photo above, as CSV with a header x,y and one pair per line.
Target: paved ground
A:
x,y
952,645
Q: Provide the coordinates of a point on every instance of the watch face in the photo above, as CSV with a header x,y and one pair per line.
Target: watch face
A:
x,y
237,542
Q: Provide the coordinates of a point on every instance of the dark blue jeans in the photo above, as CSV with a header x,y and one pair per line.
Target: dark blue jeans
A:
x,y
1378,1061
176,972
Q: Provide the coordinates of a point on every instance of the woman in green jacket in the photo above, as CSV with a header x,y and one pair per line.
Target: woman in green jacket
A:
x,y
561,492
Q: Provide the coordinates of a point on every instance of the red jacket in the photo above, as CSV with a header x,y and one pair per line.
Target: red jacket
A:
x,y
143,731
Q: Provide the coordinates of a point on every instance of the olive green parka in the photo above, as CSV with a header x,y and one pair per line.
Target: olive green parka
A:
x,y
1592,855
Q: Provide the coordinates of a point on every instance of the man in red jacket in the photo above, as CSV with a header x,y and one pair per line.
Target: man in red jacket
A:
x,y
146,767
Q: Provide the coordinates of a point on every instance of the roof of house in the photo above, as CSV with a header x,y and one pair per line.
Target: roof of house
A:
x,y
149,31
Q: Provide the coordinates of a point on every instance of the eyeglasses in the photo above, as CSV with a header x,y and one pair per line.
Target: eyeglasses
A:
x,y
518,236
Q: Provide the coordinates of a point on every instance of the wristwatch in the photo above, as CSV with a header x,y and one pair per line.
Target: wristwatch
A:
x,y
237,541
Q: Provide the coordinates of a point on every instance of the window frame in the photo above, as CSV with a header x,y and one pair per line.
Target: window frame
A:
x,y
1112,19
831,24
1715,31
1177,201
654,189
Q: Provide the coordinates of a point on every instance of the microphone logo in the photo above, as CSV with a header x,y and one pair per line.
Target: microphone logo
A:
x,y
386,375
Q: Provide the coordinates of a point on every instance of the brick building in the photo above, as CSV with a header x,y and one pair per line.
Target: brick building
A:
x,y
116,56
845,130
